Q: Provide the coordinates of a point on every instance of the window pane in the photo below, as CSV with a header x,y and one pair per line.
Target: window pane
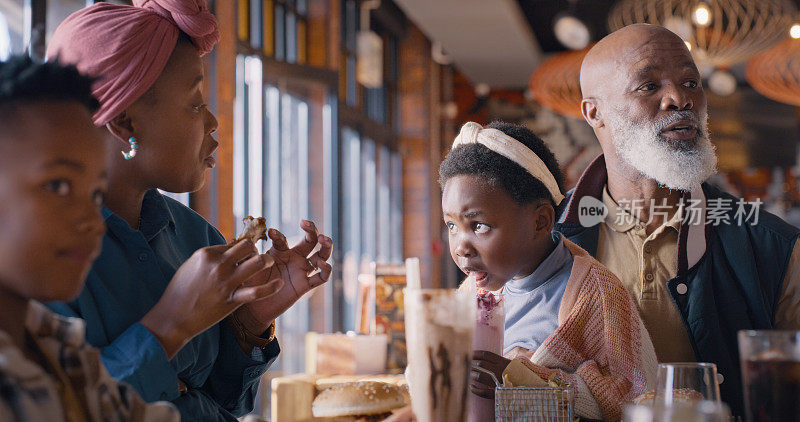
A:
x,y
384,206
248,178
11,32
293,187
273,155
375,103
240,113
397,207
350,26
256,29
351,222
291,37
369,204
57,11
391,59
255,176
280,32
351,80
294,164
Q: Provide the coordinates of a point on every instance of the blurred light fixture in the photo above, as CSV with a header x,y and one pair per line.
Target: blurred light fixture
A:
x,y
556,83
680,26
482,90
773,73
722,83
571,31
794,31
369,59
528,94
705,70
722,32
369,50
450,110
702,14
439,55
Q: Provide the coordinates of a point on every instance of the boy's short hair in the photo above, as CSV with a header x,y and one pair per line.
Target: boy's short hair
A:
x,y
24,80
478,160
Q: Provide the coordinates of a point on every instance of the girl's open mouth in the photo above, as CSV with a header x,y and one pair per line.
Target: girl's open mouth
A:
x,y
481,277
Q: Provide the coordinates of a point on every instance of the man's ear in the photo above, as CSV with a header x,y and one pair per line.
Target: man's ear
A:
x,y
590,113
121,127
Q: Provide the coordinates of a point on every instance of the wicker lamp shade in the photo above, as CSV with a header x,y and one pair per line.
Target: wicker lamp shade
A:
x,y
734,30
556,82
775,73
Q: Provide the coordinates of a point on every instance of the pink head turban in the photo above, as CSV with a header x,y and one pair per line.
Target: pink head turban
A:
x,y
127,47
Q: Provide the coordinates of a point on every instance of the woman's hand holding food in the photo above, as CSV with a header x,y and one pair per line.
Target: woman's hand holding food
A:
x,y
210,285
299,269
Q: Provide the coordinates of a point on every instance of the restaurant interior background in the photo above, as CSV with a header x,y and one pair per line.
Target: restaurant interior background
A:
x,y
341,110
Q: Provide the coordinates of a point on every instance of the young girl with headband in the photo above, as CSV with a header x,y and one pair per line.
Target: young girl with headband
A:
x,y
567,316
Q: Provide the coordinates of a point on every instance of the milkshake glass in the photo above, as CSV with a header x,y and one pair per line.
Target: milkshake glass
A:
x,y
489,328
439,332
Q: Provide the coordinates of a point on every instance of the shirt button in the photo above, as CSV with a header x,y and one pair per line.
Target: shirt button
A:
x,y
143,257
163,396
682,289
720,379
648,277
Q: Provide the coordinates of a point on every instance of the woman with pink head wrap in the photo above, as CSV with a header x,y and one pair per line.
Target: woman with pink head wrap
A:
x,y
176,312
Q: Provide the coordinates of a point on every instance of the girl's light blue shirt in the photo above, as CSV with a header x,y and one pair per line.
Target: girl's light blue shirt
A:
x,y
532,302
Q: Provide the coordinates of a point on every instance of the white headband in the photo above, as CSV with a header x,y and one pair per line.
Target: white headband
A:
x,y
514,150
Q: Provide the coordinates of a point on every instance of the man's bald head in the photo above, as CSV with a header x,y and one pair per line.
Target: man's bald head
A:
x,y
615,51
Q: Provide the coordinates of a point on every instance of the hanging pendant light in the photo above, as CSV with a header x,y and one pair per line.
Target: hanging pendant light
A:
x,y
556,82
775,73
722,83
570,31
721,32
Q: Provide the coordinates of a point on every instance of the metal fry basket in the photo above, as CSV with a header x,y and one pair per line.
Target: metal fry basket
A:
x,y
532,404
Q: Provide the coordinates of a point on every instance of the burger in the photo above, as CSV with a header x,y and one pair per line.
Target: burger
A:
x,y
360,401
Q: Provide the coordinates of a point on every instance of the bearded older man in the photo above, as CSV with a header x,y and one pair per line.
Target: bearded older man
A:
x,y
696,278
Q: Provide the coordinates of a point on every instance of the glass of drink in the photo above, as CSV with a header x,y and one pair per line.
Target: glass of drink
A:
x,y
439,331
686,383
489,329
699,411
770,374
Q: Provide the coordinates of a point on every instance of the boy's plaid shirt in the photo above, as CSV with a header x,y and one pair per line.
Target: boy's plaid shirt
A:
x,y
76,387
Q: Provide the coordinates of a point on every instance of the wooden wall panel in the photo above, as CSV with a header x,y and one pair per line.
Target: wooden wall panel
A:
x,y
226,92
418,114
334,29
318,12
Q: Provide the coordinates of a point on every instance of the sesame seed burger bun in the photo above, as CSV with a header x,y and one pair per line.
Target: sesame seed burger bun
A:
x,y
362,398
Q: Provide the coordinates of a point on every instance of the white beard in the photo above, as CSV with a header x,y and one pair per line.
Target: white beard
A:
x,y
683,166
